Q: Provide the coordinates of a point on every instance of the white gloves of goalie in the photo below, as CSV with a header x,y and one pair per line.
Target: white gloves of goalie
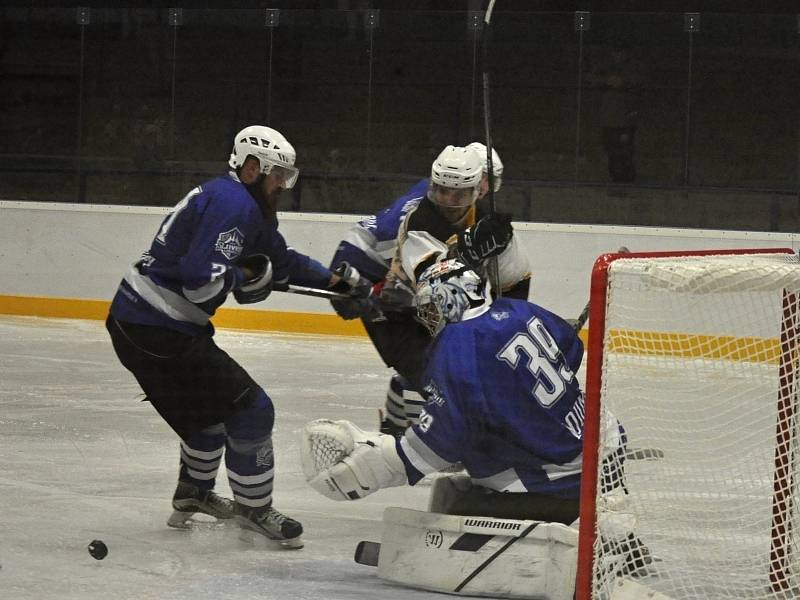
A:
x,y
343,462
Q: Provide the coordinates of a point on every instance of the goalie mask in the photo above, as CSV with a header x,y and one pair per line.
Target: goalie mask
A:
x,y
272,151
497,164
445,291
456,177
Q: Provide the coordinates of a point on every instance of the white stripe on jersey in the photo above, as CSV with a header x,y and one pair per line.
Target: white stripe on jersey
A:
x,y
366,242
505,481
207,291
168,302
420,455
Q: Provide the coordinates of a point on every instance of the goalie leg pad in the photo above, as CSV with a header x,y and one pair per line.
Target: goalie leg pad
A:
x,y
478,556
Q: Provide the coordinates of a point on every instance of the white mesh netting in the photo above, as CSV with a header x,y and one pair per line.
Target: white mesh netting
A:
x,y
324,443
700,361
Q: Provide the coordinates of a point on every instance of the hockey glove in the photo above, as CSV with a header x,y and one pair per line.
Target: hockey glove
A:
x,y
372,464
488,237
259,286
361,302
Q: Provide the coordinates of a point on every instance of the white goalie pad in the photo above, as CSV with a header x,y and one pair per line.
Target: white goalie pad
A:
x,y
478,556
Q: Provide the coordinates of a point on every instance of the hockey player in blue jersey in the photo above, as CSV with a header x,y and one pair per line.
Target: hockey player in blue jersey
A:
x,y
431,209
502,399
221,238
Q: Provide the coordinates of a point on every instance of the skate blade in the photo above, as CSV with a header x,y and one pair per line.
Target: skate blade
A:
x,y
192,521
258,539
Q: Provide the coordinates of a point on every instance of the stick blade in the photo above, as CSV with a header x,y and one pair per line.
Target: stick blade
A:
x,y
367,553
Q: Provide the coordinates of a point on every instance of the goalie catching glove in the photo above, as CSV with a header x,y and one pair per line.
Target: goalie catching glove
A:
x,y
259,285
361,302
486,238
342,462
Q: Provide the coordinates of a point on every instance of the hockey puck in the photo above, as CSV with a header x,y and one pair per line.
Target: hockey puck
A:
x,y
97,549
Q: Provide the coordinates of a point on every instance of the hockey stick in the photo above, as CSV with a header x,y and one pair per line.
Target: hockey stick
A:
x,y
584,316
494,271
310,291
330,295
487,114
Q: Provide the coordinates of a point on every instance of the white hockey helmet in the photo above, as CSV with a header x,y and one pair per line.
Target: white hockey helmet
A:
x,y
456,168
270,148
497,164
445,291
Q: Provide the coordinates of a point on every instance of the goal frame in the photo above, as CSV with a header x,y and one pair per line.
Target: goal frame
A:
x,y
591,433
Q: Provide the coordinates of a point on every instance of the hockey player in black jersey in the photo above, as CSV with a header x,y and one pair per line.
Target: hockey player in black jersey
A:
x,y
446,220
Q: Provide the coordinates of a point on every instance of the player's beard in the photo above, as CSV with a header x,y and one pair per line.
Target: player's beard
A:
x,y
267,202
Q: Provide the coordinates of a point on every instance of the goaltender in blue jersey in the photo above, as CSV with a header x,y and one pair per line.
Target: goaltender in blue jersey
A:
x,y
504,401
502,398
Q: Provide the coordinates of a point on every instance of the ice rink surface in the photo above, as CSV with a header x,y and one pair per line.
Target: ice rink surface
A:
x,y
83,458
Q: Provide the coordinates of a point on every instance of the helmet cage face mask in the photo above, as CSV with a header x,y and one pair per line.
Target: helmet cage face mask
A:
x,y
275,155
445,291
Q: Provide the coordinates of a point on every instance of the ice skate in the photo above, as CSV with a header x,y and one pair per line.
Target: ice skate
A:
x,y
267,524
189,499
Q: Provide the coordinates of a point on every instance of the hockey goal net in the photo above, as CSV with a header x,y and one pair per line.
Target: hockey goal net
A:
x,y
696,354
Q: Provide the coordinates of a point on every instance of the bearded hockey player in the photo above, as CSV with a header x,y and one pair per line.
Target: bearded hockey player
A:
x,y
222,238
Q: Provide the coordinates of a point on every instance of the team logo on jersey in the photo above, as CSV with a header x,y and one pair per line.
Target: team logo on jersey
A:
x,y
433,395
500,315
230,243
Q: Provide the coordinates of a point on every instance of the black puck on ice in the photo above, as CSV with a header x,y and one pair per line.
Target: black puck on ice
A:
x,y
97,549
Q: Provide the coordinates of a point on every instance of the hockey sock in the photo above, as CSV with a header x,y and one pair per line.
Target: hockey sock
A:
x,y
201,455
403,403
249,457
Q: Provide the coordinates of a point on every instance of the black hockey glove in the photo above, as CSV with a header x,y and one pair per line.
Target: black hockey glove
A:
x,y
361,302
488,237
259,286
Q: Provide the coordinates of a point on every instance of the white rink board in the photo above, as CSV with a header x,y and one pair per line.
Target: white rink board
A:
x,y
81,251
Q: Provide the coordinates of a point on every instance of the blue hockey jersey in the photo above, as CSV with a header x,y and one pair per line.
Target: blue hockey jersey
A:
x,y
503,399
189,269
371,243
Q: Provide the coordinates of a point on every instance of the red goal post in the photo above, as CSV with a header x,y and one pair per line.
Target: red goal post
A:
x,y
712,277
